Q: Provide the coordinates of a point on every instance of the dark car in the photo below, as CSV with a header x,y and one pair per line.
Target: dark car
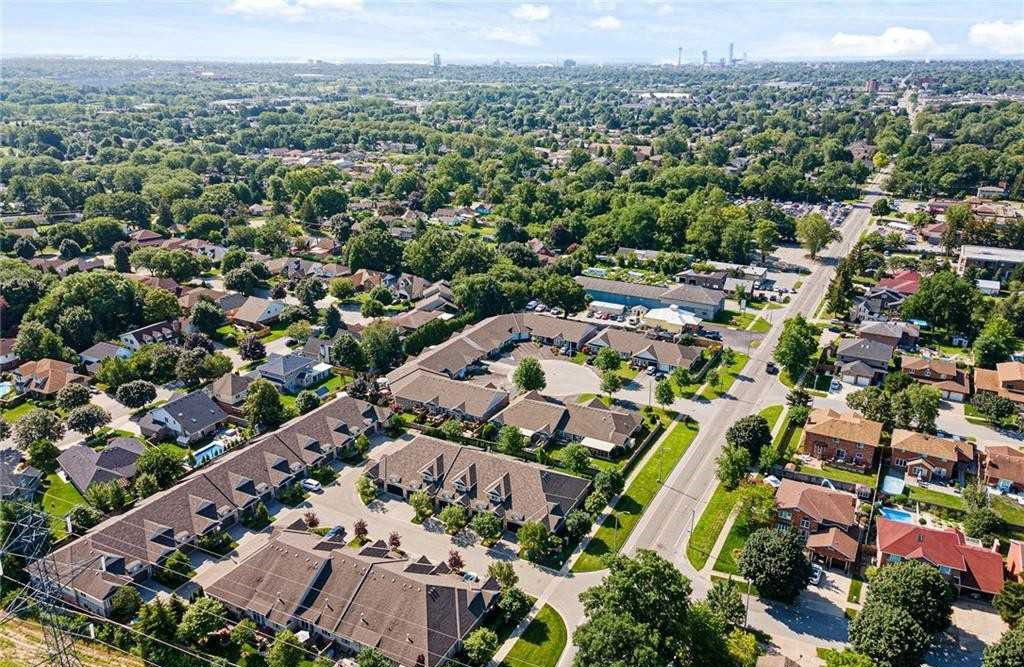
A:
x,y
712,334
772,368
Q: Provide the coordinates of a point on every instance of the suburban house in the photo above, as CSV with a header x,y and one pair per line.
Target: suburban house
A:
x,y
95,355
128,547
44,378
826,517
930,458
18,480
950,381
257,312
480,481
569,335
227,301
141,238
409,287
904,282
841,438
156,282
1007,380
230,389
413,611
291,373
440,395
322,349
185,419
708,279
605,431
878,304
437,297
642,351
862,361
1004,468
330,431
8,358
896,334
85,466
968,567
158,332
411,320
622,293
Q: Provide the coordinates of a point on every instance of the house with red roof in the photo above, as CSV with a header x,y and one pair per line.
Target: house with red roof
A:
x,y
904,282
967,566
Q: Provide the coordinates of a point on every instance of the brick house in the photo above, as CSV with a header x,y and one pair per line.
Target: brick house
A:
x,y
951,382
1004,468
826,517
845,439
930,458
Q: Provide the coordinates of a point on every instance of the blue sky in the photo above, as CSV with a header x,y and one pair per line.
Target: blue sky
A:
x,y
592,31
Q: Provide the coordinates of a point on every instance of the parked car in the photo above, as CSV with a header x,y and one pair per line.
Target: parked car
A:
x,y
311,485
531,305
816,574
651,370
771,368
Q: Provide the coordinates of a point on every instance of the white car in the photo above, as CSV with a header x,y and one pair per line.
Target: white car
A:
x,y
816,574
311,485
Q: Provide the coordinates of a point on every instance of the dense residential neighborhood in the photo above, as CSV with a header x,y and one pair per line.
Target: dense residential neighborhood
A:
x,y
314,365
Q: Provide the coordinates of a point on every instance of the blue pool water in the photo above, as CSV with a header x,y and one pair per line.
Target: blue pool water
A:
x,y
5,388
209,452
896,515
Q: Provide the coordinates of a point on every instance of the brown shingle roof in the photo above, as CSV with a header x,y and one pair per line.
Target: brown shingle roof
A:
x,y
474,400
845,426
818,502
930,445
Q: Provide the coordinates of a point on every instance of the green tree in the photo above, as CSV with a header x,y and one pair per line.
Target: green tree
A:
x,y
202,618
576,458
487,526
796,347
37,424
35,341
752,433
725,601
286,651
480,646
503,572
529,376
422,505
263,407
72,396
663,393
145,485
847,658
607,638
1008,651
1010,602
814,233
608,359
306,401
125,603
774,561
371,657
611,382
136,393
995,343
609,481
534,540
207,317
756,506
454,518
162,464
918,589
511,440
766,237
381,345
732,465
889,636
366,489
348,353
563,292
946,301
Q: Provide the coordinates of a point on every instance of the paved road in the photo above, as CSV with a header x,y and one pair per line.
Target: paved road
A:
x,y
666,524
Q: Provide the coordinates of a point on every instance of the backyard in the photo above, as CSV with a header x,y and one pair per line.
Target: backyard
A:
x,y
58,500
14,414
617,526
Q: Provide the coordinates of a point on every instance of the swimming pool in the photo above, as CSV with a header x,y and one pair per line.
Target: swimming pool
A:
x,y
896,515
208,453
6,388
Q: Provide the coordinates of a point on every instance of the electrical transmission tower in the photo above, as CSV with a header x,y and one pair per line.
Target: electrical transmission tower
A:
x,y
28,539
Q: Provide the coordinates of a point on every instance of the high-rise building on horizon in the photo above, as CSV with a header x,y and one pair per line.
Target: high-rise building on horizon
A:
x,y
732,61
437,60
704,57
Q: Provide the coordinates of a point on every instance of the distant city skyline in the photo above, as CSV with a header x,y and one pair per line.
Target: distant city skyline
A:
x,y
464,31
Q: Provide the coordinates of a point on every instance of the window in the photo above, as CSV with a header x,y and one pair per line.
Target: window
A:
x,y
805,524
840,454
944,570
785,515
900,463
893,558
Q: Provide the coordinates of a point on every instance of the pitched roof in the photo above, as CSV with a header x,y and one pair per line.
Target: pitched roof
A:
x,y
818,502
116,461
889,329
631,343
845,426
693,294
48,376
835,540
285,364
986,379
253,310
422,386
946,548
904,282
509,487
534,412
153,332
194,412
1004,463
930,445
230,384
865,349
619,287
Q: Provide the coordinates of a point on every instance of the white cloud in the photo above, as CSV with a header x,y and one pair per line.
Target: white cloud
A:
x,y
606,23
1004,38
531,12
291,9
663,10
894,41
513,36
605,5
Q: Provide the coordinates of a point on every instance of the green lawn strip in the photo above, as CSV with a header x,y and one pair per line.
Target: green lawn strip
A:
x,y
626,372
855,587
627,512
59,499
728,376
705,533
542,643
733,319
557,453
742,586
16,413
771,415
726,561
760,325
587,397
837,475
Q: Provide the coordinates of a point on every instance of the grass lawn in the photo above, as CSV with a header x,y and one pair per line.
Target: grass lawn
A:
x,y
760,325
16,413
278,330
787,439
645,485
935,498
587,397
177,450
558,454
726,561
855,587
733,319
771,414
541,644
626,372
786,380
705,533
727,377
743,587
827,472
59,499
